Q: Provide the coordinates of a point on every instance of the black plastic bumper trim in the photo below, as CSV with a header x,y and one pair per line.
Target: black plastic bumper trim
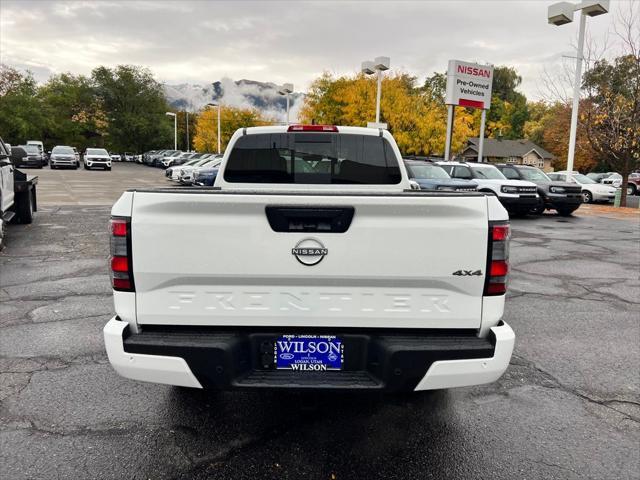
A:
x,y
242,358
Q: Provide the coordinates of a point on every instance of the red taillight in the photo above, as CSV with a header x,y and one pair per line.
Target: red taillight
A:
x,y
121,264
500,233
499,268
118,227
312,128
497,259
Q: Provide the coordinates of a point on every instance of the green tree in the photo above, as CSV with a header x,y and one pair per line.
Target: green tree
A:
x,y
21,118
435,87
612,113
73,112
135,107
509,111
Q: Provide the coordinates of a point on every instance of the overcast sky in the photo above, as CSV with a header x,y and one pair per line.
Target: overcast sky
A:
x,y
201,42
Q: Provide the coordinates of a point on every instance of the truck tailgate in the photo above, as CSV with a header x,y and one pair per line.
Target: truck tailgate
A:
x,y
212,258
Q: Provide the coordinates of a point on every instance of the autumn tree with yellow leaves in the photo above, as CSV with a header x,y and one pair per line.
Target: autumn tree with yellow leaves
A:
x,y
416,118
231,119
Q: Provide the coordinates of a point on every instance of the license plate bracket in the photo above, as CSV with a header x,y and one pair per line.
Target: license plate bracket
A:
x,y
314,353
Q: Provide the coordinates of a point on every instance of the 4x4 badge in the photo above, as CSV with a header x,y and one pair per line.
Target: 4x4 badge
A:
x,y
468,273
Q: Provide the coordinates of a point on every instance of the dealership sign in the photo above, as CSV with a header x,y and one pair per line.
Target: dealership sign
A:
x,y
469,84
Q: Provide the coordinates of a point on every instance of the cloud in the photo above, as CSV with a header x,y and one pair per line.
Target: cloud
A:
x,y
201,42
241,94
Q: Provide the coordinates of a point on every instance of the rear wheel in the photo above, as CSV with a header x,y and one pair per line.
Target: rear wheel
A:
x,y
24,207
631,189
587,197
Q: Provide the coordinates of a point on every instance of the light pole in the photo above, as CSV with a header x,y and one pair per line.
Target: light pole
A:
x,y
218,107
560,14
379,65
188,145
286,90
175,129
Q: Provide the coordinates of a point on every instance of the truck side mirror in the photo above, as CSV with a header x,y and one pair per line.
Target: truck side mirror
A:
x,y
4,160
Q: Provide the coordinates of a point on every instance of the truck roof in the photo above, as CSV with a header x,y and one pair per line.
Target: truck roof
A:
x,y
289,128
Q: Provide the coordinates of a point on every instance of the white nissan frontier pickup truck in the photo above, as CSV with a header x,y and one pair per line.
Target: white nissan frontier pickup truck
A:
x,y
310,264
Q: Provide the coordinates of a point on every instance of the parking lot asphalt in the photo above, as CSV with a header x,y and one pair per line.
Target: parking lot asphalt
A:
x,y
567,408
92,187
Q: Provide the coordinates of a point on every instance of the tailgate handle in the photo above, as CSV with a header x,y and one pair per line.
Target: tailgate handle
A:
x,y
310,219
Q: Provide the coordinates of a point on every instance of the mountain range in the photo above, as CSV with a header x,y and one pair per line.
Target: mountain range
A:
x,y
243,93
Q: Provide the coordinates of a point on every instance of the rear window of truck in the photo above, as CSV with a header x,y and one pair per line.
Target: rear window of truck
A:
x,y
312,158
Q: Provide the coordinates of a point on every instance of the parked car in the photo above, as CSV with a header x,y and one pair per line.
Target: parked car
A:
x,y
565,198
129,157
517,196
592,191
206,175
430,176
115,157
633,185
18,155
156,160
97,158
34,157
40,146
633,182
331,277
173,172
185,173
599,176
188,177
178,158
149,157
17,191
63,156
145,155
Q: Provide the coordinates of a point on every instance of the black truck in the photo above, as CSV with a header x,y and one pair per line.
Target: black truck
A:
x,y
563,197
17,193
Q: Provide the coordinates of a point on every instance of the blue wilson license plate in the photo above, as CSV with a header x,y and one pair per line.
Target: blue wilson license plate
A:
x,y
308,353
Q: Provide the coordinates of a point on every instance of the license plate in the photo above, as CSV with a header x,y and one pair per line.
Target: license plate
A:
x,y
313,353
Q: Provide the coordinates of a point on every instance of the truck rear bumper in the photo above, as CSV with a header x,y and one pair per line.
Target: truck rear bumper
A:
x,y
146,368
235,359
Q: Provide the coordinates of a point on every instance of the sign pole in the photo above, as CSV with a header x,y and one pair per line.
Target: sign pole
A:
x,y
378,96
447,145
483,117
